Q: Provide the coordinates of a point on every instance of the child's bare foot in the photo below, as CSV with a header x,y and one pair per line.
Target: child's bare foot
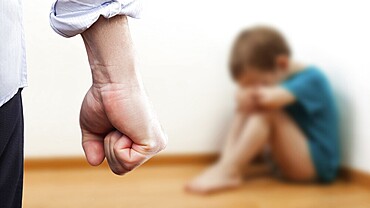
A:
x,y
215,178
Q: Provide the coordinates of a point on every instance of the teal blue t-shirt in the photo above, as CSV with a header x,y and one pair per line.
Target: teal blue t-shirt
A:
x,y
316,114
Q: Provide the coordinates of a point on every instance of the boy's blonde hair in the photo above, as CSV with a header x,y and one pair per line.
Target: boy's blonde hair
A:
x,y
257,47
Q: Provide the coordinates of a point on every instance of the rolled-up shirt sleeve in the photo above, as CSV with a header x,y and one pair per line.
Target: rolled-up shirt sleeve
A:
x,y
72,17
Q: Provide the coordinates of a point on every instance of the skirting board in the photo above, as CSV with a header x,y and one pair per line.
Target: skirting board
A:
x,y
346,173
80,162
356,176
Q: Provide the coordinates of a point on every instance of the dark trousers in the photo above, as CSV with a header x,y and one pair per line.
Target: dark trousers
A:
x,y
11,152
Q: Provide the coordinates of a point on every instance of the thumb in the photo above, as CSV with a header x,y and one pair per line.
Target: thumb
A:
x,y
93,146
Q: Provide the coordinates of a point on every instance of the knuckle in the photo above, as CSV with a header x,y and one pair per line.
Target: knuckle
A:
x,y
118,170
106,140
156,145
164,143
130,168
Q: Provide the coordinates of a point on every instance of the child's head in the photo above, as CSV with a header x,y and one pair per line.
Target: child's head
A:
x,y
259,56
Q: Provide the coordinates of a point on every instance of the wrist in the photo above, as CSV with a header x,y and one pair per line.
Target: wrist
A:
x,y
114,74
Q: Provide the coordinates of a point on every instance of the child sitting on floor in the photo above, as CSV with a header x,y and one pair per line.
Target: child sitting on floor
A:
x,y
282,104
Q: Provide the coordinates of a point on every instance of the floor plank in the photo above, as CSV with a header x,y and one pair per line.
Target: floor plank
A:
x,y
162,187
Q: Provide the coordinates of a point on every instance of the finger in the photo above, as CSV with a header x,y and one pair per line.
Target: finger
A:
x,y
93,147
128,157
113,162
108,155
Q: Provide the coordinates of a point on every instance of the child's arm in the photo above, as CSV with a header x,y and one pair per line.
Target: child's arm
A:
x,y
273,97
245,100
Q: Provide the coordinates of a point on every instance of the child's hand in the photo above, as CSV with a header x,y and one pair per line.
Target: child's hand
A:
x,y
246,99
273,97
264,96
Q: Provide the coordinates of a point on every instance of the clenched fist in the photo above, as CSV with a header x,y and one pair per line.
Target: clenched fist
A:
x,y
118,123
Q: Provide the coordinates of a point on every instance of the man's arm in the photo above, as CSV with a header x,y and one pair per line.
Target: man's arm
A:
x,y
110,52
117,119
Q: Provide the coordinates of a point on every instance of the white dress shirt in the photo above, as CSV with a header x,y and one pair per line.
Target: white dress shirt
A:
x,y
71,17
67,17
12,50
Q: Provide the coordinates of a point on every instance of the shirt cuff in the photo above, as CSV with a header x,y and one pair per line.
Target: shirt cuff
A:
x,y
72,17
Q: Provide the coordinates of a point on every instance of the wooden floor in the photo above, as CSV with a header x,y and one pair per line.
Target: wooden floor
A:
x,y
161,186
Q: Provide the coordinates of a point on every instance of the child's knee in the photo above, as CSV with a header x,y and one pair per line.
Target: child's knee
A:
x,y
267,117
260,117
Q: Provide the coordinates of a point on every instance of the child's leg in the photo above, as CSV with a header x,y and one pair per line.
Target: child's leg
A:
x,y
236,127
252,139
289,146
227,172
290,149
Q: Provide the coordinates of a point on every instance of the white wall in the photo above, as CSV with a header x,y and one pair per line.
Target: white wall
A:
x,y
183,48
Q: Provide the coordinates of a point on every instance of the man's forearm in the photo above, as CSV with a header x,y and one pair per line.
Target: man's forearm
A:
x,y
110,52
